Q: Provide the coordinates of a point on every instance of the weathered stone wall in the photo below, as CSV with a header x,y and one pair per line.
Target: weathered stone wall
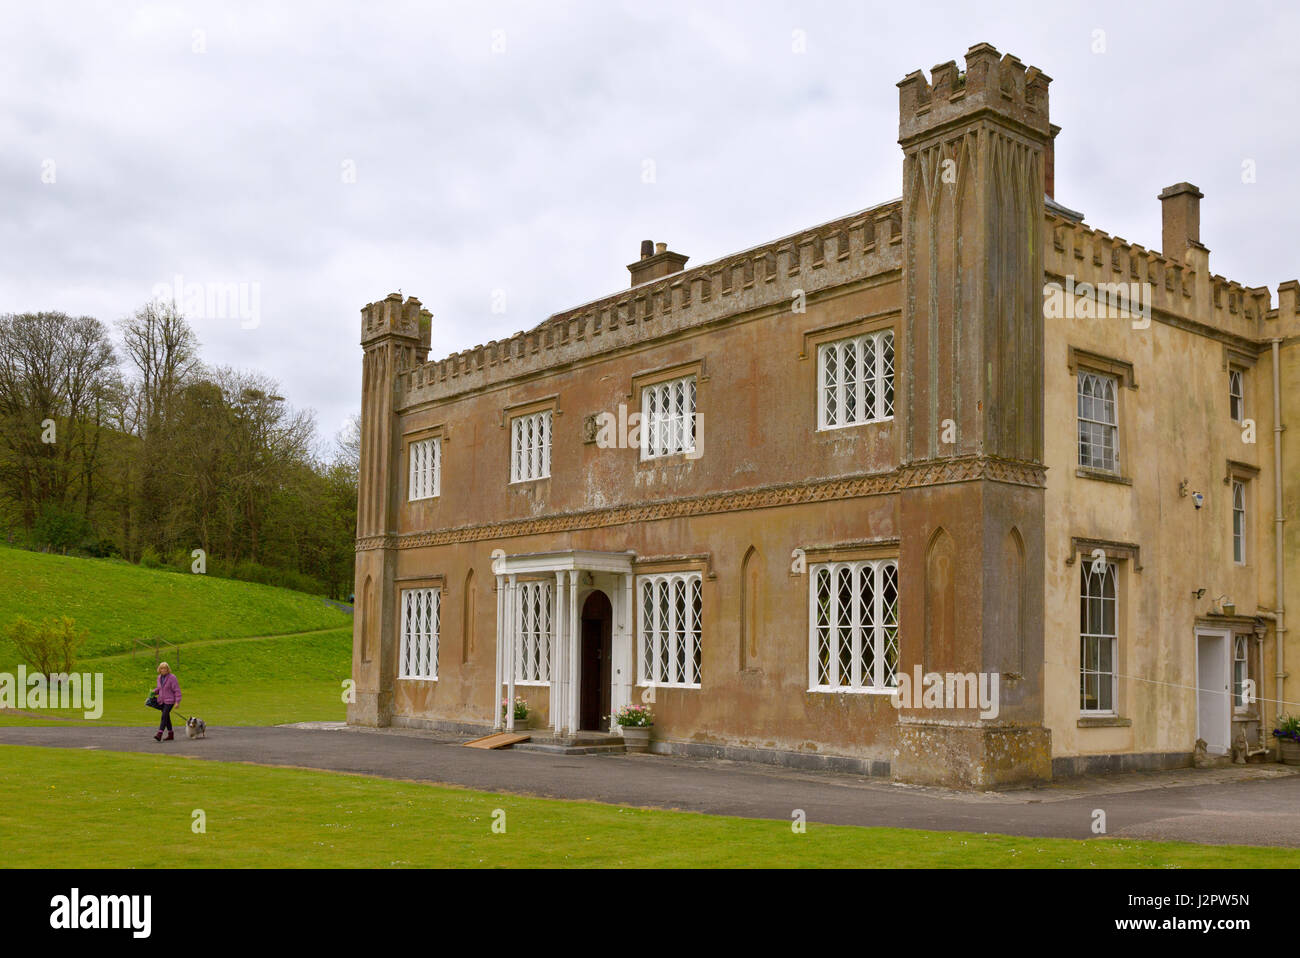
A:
x,y
1176,439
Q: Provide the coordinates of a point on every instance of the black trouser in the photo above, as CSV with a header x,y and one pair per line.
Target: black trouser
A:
x,y
165,724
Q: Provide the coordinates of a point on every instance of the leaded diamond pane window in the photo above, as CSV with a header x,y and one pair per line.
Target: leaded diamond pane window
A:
x,y
855,380
530,446
534,623
418,655
425,469
853,626
670,617
668,424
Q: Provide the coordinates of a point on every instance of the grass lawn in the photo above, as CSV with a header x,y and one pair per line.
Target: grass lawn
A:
x,y
251,654
270,681
81,809
118,602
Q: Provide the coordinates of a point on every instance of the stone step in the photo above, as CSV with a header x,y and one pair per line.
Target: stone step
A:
x,y
548,737
554,748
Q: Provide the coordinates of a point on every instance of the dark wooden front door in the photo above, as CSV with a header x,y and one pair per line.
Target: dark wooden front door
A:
x,y
597,622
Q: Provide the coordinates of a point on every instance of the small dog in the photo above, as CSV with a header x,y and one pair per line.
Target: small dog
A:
x,y
195,727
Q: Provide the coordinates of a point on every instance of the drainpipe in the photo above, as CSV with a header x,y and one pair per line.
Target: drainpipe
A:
x,y
1279,629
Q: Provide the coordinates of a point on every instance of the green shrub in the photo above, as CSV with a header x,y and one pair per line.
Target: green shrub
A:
x,y
249,571
61,528
49,647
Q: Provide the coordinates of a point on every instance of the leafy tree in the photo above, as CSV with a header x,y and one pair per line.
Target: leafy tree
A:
x,y
49,647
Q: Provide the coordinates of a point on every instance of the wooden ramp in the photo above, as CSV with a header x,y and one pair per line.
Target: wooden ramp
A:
x,y
497,740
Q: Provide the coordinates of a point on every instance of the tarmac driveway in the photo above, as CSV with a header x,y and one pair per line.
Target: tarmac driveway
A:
x,y
1254,805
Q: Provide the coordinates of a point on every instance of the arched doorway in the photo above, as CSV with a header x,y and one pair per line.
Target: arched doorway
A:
x,y
597,650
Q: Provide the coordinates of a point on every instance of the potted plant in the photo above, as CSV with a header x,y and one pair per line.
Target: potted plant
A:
x,y
1288,739
521,711
635,722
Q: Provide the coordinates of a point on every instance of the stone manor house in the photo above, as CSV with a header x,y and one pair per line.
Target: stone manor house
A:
x,y
962,432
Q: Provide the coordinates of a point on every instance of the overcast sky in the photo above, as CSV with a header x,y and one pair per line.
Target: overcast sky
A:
x,y
325,154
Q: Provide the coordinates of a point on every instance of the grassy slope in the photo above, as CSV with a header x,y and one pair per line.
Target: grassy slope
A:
x,y
271,681
227,680
136,811
118,602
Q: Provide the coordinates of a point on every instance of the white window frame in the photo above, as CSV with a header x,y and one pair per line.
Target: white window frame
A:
x,y
1238,522
670,613
421,620
1236,394
1093,633
530,446
870,627
1240,672
424,475
534,631
668,417
870,395
1096,395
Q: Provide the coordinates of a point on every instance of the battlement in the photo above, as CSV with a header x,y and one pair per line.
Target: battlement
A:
x,y
391,317
1183,289
854,247
1288,308
990,82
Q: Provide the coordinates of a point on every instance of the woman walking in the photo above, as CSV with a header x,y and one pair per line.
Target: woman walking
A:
x,y
169,694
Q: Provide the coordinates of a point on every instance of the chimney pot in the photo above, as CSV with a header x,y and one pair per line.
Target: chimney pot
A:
x,y
656,261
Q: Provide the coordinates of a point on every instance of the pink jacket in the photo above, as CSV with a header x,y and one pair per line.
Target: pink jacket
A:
x,y
169,690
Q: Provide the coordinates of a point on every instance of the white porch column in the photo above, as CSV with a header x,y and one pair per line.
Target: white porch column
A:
x,y
575,662
627,624
512,602
501,632
557,655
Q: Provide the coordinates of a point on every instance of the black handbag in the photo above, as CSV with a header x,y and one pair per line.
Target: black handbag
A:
x,y
152,701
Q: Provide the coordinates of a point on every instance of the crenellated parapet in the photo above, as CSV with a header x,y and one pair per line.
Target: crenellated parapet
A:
x,y
1184,290
1287,314
855,247
405,321
1000,84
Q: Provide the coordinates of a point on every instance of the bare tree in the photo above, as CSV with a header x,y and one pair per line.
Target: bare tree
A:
x,y
56,377
162,352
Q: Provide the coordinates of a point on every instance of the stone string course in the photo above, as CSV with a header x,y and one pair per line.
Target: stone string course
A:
x,y
966,469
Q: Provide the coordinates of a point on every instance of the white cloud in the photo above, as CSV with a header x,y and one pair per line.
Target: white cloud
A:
x,y
521,170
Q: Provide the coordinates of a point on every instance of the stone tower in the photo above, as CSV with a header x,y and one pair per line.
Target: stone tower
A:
x,y
395,337
975,148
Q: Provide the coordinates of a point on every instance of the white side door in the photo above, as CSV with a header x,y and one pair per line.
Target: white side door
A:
x,y
1213,711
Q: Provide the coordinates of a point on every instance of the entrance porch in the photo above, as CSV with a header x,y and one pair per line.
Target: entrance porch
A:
x,y
565,622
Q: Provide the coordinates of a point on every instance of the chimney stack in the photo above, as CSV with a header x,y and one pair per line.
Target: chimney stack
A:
x,y
656,261
1180,211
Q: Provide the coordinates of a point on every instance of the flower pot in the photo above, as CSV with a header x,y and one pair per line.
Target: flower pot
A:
x,y
521,722
636,739
1290,751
